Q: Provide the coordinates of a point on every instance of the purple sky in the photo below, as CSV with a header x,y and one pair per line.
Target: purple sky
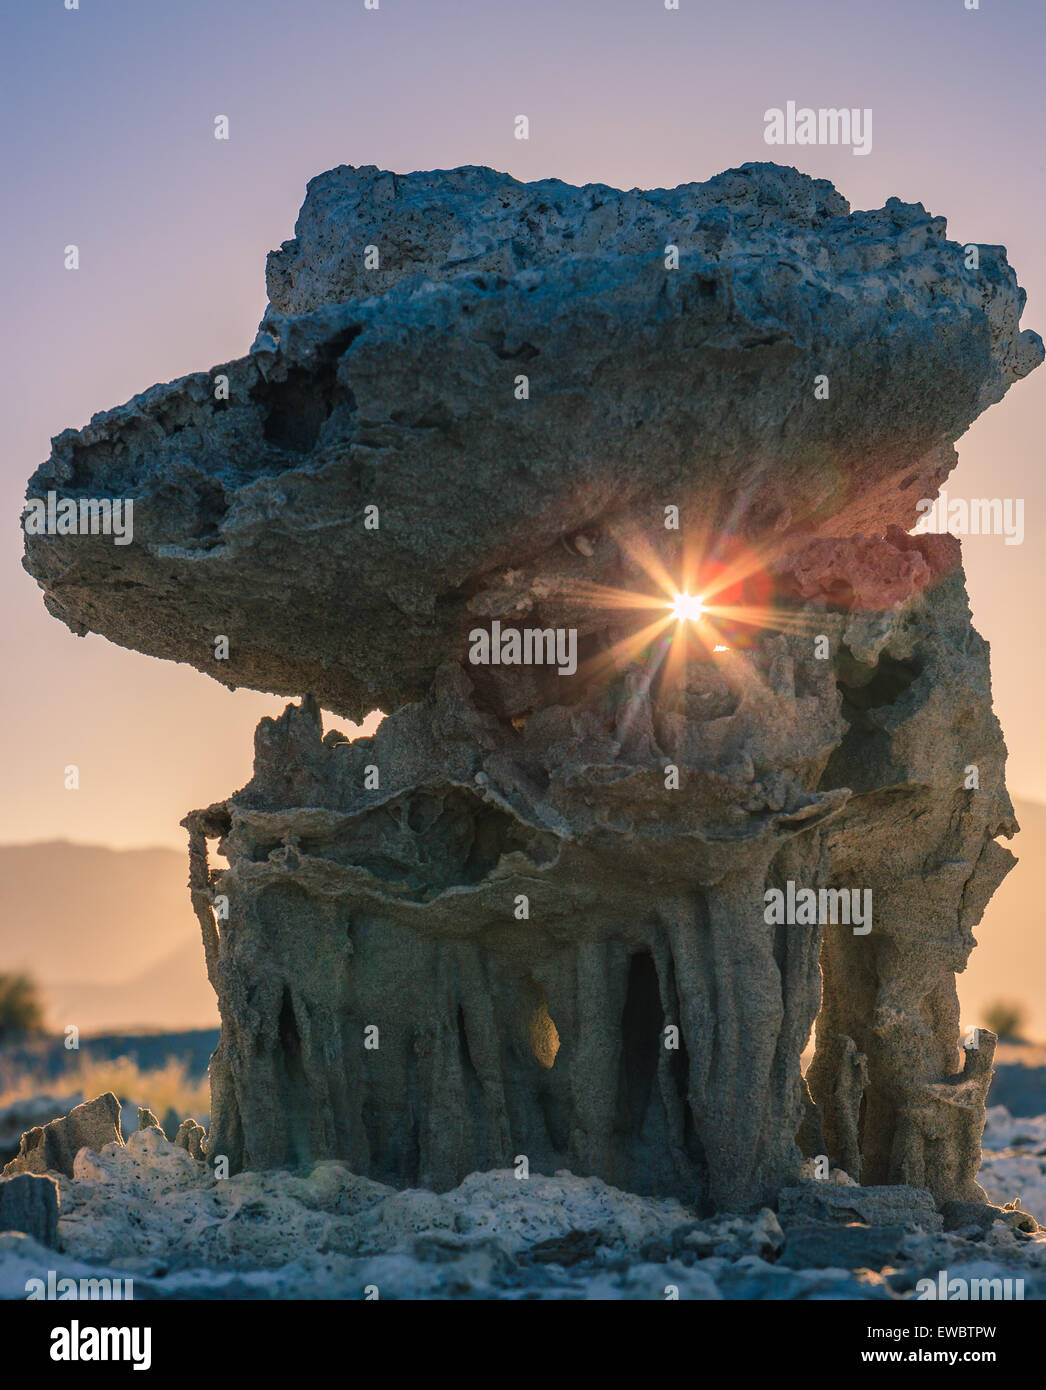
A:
x,y
108,143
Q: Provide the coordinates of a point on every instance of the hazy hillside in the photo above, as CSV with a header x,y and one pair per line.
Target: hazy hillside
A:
x,y
110,934
112,937
1010,958
172,994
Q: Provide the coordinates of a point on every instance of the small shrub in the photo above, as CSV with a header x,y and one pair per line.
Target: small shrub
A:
x,y
162,1089
1006,1017
21,1009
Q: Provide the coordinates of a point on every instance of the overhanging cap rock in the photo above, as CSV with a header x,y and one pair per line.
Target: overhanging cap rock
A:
x,y
397,388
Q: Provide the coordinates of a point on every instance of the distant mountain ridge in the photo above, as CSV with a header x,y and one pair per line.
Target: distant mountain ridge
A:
x,y
109,934
1009,960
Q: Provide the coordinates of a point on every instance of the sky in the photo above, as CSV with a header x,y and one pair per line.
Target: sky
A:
x,y
107,119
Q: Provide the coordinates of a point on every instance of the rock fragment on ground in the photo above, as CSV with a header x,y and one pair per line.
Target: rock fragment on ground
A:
x,y
53,1147
149,1212
29,1203
191,1136
874,1206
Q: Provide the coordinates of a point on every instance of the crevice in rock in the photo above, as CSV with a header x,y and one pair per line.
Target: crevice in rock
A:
x,y
475,1099
641,1042
430,840
294,1090
862,761
298,406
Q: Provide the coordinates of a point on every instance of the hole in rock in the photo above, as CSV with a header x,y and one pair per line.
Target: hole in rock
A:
x,y
641,1023
543,1034
506,349
294,1084
299,406
431,839
212,508
889,678
862,760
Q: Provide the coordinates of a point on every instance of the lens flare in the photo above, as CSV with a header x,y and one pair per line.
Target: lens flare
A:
x,y
688,608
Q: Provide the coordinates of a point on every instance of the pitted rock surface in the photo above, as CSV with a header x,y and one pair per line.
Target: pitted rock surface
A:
x,y
396,388
526,918
141,1212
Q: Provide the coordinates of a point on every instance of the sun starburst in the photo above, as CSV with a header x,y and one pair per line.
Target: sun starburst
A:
x,y
688,607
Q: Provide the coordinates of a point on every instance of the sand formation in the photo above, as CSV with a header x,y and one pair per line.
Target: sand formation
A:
x,y
534,915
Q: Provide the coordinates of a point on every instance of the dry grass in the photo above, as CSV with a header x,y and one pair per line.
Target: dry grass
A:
x,y
161,1089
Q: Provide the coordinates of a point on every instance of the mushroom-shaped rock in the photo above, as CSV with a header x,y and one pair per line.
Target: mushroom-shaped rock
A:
x,y
606,498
